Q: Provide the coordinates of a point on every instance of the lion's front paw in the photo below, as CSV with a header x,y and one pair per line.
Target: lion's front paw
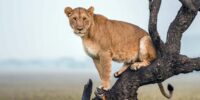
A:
x,y
103,88
100,93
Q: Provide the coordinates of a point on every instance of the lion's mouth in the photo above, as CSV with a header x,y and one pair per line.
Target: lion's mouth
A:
x,y
80,34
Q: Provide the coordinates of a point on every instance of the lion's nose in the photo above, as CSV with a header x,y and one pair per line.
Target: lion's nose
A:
x,y
79,28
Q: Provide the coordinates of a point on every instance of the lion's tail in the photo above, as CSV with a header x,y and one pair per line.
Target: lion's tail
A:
x,y
170,89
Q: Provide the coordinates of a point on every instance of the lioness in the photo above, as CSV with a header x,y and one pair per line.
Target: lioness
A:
x,y
105,40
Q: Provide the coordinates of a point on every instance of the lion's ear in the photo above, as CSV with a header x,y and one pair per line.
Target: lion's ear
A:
x,y
91,10
68,11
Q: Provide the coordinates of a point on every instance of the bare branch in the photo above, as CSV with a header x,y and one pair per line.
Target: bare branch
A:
x,y
180,24
154,6
187,65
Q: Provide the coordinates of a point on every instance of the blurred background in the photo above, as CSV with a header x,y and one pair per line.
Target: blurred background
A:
x,y
42,59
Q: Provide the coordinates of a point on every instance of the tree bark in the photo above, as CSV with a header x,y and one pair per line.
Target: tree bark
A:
x,y
169,61
180,24
191,4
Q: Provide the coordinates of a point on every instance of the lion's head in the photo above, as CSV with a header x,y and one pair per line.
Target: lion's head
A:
x,y
80,19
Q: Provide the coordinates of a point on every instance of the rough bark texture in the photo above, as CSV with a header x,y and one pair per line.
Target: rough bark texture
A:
x,y
180,24
169,62
191,4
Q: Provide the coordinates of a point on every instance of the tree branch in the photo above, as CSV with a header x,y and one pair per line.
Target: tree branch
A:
x,y
187,65
180,24
126,86
154,6
162,69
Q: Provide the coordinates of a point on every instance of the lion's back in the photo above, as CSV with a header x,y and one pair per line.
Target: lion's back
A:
x,y
121,37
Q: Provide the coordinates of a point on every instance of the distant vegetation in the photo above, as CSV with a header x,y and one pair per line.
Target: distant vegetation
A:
x,y
62,62
68,86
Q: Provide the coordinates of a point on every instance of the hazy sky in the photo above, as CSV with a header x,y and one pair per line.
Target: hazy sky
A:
x,y
31,29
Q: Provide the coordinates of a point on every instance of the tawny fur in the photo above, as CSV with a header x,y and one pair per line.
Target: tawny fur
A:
x,y
105,40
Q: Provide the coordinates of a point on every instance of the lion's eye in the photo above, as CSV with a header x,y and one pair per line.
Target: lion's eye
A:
x,y
84,18
74,18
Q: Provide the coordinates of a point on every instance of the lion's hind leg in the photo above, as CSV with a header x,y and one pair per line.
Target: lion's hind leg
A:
x,y
146,53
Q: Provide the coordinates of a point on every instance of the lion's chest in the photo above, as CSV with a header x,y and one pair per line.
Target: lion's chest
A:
x,y
91,48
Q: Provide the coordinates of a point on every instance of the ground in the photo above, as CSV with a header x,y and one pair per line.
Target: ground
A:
x,y
68,86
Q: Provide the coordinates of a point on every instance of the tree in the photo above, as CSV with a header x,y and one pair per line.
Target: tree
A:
x,y
169,61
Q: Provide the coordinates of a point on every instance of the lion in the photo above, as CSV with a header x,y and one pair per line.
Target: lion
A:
x,y
105,40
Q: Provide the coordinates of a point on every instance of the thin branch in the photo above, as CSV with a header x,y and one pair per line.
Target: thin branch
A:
x,y
180,24
154,6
